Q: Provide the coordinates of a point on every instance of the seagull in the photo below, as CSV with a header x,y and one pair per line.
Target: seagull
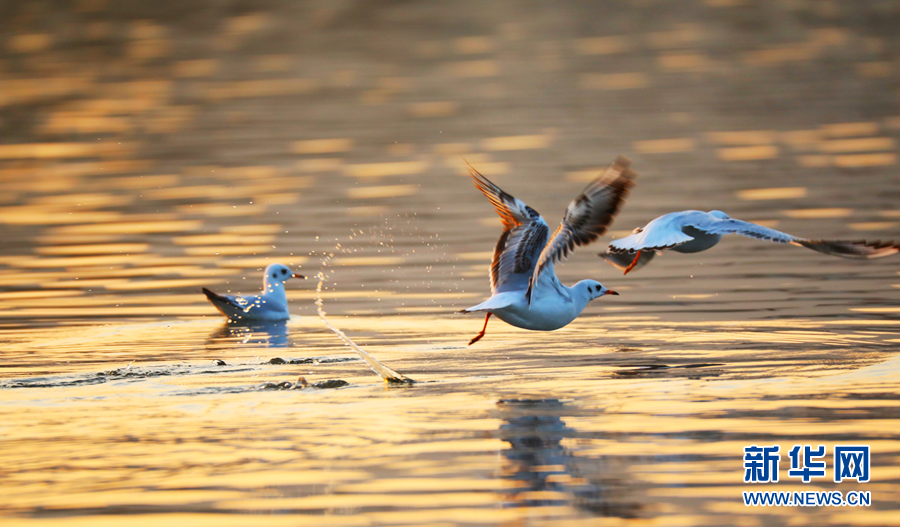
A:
x,y
525,291
271,304
693,231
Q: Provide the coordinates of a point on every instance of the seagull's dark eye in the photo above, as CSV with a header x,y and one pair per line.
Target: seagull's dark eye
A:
x,y
284,271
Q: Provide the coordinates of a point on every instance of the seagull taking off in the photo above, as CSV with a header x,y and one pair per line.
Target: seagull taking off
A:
x,y
692,231
271,304
525,291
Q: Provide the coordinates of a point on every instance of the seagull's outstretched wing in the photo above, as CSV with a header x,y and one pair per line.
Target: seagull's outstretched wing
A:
x,y
844,248
524,235
712,225
589,215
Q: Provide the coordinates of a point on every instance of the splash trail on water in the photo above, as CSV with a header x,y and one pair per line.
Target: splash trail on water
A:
x,y
389,375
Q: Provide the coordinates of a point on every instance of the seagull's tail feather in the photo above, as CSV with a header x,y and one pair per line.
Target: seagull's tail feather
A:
x,y
852,249
496,302
222,303
212,296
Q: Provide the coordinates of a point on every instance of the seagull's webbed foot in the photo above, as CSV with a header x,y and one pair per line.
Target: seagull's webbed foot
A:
x,y
633,262
481,334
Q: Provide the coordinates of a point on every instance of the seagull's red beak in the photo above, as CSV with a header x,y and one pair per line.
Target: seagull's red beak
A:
x,y
295,275
610,292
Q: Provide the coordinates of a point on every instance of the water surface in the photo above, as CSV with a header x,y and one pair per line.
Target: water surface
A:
x,y
148,151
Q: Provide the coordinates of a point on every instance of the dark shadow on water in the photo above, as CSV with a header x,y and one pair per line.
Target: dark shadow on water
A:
x,y
691,371
272,334
545,472
268,386
126,373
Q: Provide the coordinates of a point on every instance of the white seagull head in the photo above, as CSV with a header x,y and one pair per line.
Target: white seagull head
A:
x,y
276,275
593,289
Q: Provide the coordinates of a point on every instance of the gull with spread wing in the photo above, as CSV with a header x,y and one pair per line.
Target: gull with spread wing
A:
x,y
692,231
525,291
269,305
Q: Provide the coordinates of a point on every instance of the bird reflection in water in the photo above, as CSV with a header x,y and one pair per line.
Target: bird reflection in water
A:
x,y
267,334
547,473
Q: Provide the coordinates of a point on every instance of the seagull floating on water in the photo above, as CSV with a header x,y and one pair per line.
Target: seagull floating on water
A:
x,y
271,304
525,291
693,231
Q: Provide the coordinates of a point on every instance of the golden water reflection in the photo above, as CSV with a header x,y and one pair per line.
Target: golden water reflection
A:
x,y
517,429
147,151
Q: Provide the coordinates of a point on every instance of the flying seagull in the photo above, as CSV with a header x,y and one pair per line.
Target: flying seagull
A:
x,y
525,291
693,231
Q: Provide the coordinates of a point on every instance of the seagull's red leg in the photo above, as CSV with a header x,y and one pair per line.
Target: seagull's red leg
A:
x,y
633,262
478,337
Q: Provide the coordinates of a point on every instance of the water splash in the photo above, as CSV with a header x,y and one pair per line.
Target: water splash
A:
x,y
389,375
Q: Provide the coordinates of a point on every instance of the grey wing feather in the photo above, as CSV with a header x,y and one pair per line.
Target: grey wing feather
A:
x,y
852,249
590,214
524,236
843,248
714,225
